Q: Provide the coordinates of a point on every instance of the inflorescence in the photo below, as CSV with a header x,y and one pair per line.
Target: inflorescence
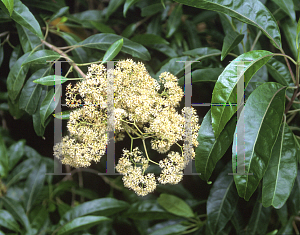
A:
x,y
141,111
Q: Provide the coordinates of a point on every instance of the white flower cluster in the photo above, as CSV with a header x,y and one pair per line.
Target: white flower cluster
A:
x,y
141,111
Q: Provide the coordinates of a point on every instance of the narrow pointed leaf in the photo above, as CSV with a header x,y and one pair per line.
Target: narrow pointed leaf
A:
x,y
17,211
103,206
16,77
211,150
81,223
148,39
127,5
8,221
259,219
262,114
34,185
48,105
28,39
175,205
36,117
247,11
289,28
221,202
103,41
230,42
279,72
287,6
24,17
40,57
9,5
282,170
50,80
113,50
15,153
4,158
174,21
225,89
203,75
31,93
112,7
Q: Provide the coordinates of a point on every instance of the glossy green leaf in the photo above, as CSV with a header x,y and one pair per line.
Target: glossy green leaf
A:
x,y
129,30
28,39
101,27
243,10
15,153
24,17
48,105
263,115
36,117
279,72
283,214
31,92
287,6
289,28
112,7
103,206
14,109
238,221
288,228
165,49
170,229
174,20
15,55
38,217
17,211
147,210
41,57
34,184
104,40
211,150
221,202
127,5
151,9
225,89
8,221
81,223
203,75
9,4
297,33
259,219
4,158
62,11
175,205
230,42
192,34
16,77
282,170
148,39
113,51
50,80
203,52
173,66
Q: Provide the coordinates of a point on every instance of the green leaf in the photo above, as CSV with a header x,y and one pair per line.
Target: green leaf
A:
x,y
221,202
259,219
174,21
112,51
169,230
112,7
101,27
151,9
9,5
24,17
225,89
203,52
80,224
40,57
36,117
289,28
298,30
127,5
175,205
230,42
38,217
283,214
203,75
50,80
282,170
62,11
287,6
103,206
167,50
48,105
192,34
15,55
103,41
211,150
34,184
8,221
147,210
65,115
148,39
16,77
247,11
28,40
279,72
288,228
15,153
129,30
17,211
263,114
32,92
4,158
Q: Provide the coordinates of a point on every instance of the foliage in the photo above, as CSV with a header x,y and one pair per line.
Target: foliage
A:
x,y
245,65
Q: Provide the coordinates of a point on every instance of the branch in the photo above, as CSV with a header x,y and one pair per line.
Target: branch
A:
x,y
54,48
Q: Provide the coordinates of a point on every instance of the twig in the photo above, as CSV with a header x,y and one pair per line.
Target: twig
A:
x,y
295,228
255,40
54,48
